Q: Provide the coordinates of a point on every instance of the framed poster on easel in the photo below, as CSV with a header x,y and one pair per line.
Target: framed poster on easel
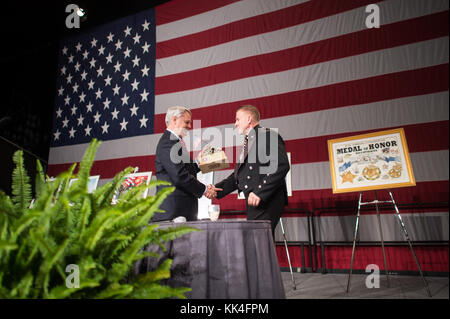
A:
x,y
371,161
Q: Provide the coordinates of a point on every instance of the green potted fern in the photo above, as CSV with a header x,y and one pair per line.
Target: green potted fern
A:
x,y
69,243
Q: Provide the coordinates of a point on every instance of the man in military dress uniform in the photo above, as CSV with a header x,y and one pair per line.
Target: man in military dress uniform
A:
x,y
260,170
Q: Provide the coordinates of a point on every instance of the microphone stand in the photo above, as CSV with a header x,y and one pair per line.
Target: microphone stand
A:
x,y
25,150
6,119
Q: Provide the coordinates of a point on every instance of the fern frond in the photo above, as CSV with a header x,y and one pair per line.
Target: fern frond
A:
x,y
156,291
22,289
158,199
104,194
100,223
7,210
21,224
27,251
21,188
86,282
7,245
85,166
119,270
50,257
171,233
163,272
40,178
84,218
115,290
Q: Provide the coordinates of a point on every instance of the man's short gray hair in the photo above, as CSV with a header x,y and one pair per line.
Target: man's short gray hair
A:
x,y
254,112
177,111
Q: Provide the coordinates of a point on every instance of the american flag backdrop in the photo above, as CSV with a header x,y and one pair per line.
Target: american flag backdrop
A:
x,y
313,68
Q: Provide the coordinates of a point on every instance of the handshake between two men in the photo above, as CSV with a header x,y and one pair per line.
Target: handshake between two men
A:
x,y
265,192
211,191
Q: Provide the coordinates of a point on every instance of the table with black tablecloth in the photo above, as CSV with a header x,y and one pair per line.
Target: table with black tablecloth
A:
x,y
227,259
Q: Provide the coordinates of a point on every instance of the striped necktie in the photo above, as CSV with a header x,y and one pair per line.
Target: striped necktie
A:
x,y
184,144
244,153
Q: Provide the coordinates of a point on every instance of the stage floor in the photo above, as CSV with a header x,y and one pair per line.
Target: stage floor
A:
x,y
333,286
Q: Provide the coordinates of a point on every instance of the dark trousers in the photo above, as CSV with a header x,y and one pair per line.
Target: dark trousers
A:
x,y
270,210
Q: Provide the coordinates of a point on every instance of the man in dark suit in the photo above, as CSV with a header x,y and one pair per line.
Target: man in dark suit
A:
x,y
260,170
174,164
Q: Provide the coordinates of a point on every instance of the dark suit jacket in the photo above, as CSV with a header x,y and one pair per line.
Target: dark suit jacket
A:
x,y
262,172
174,164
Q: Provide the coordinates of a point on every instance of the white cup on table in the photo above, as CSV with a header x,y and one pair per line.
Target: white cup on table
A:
x,y
213,212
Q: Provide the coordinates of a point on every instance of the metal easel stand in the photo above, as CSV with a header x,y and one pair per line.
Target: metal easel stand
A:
x,y
294,287
403,227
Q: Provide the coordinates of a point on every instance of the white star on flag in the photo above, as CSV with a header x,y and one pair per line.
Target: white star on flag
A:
x,y
126,75
97,117
114,114
92,63
118,45
89,107
145,25
105,128
98,94
109,58
56,134
108,80
74,110
82,96
116,90
125,99
72,133
91,85
87,130
136,38
110,37
134,85
145,47
134,110
106,103
145,71
123,125
127,52
80,120
127,31
143,121
144,95
136,61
